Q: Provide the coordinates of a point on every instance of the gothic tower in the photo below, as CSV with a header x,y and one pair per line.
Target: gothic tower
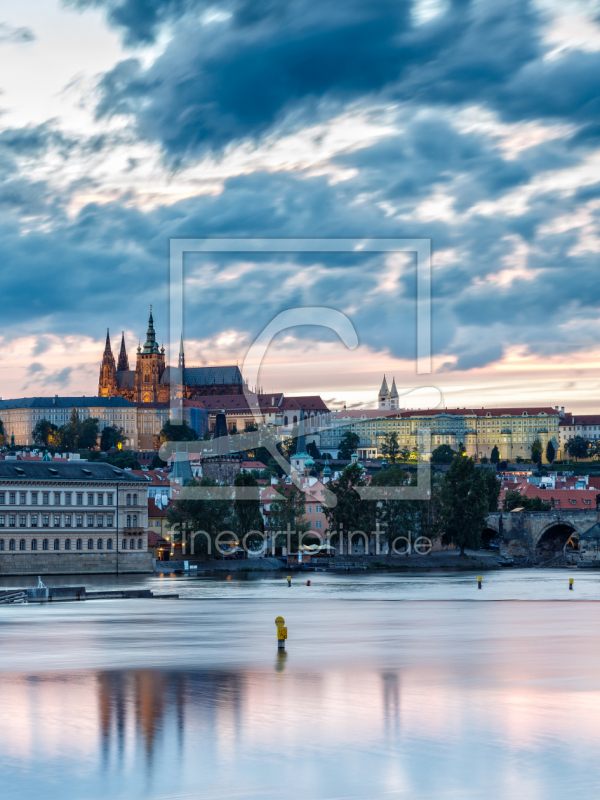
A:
x,y
123,362
107,385
150,365
394,396
384,395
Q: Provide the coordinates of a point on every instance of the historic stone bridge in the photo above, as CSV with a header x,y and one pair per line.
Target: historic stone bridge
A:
x,y
524,534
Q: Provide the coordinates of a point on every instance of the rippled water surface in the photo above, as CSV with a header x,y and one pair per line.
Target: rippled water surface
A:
x,y
432,697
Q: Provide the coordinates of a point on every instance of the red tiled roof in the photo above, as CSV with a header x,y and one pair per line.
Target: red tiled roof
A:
x,y
563,498
154,540
154,510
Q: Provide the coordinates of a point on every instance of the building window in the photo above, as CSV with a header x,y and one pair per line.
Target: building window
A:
x,y
309,509
90,544
12,521
131,544
68,498
109,520
56,498
135,520
318,509
100,520
128,500
12,498
124,544
79,499
99,544
109,544
128,520
23,498
57,521
90,520
67,544
100,499
67,521
57,544
45,521
1,544
318,524
23,521
21,544
11,544
45,544
109,499
79,521
2,518
2,498
139,544
34,544
90,499
135,499
79,544
45,498
34,496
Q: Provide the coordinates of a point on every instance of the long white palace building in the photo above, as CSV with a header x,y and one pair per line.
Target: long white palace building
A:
x,y
72,517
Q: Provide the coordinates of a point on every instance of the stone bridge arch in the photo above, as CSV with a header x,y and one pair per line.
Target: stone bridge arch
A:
x,y
554,537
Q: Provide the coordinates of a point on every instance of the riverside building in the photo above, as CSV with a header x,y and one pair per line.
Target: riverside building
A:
x,y
73,517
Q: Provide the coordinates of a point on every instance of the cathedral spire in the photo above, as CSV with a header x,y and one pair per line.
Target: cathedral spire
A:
x,y
150,345
181,356
123,363
107,347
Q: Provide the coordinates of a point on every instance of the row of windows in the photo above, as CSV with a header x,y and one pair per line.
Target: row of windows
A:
x,y
57,496
12,545
54,521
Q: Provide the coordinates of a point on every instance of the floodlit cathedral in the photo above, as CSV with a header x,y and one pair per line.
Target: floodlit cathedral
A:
x,y
150,381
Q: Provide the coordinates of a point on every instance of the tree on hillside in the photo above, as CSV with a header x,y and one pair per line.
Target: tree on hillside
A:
x,y
287,512
177,433
111,437
247,516
87,436
43,432
536,452
495,455
348,444
350,512
313,451
577,447
514,499
202,518
443,454
493,488
550,452
465,504
390,447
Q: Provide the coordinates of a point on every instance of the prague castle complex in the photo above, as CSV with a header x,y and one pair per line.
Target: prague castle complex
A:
x,y
152,381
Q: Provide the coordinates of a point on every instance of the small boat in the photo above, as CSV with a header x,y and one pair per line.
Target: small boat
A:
x,y
506,561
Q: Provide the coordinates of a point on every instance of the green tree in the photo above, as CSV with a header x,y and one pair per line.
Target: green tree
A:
x,y
247,516
395,516
43,432
550,452
405,453
484,460
462,450
348,444
465,504
287,512
577,447
514,499
495,455
493,488
350,512
111,437
313,451
536,452
443,454
390,447
177,433
87,437
202,518
157,462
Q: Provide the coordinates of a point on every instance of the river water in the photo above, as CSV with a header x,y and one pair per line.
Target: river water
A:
x,y
410,686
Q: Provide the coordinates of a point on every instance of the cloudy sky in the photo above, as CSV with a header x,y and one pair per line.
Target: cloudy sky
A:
x,y
125,123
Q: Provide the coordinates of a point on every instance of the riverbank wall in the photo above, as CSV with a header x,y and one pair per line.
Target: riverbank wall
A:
x,y
49,563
